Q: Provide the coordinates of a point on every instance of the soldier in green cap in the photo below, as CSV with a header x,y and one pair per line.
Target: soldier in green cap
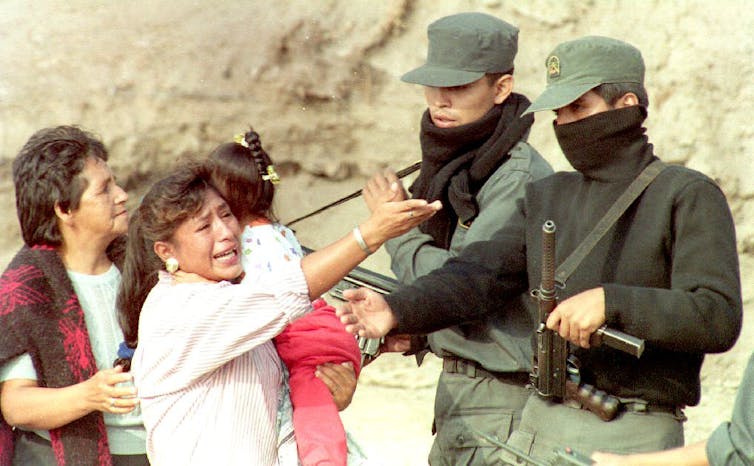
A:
x,y
665,271
475,159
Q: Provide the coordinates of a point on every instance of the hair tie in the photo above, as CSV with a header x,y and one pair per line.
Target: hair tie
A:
x,y
255,148
124,351
241,139
271,175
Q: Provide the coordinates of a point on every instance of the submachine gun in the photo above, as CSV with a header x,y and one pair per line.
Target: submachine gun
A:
x,y
555,372
362,277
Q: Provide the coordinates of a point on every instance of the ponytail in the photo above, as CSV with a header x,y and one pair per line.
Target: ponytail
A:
x,y
138,277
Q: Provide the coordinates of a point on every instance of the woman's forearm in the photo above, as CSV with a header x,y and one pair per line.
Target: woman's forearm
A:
x,y
28,406
325,267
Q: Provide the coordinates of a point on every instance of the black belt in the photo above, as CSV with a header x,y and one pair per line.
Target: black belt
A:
x,y
638,406
472,369
643,407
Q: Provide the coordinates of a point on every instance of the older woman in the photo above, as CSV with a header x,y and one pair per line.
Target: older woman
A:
x,y
57,313
207,371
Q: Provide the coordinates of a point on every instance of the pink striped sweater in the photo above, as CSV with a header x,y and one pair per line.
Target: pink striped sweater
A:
x,y
207,372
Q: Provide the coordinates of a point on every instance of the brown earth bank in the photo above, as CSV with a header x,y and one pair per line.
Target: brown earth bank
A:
x,y
163,81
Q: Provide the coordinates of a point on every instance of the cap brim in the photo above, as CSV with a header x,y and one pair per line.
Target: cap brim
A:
x,y
434,76
558,96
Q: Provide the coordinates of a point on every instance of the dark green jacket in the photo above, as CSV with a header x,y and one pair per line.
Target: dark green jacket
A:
x,y
501,343
669,268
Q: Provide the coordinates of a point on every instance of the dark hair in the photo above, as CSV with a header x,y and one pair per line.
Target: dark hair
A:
x,y
46,172
236,172
611,92
493,77
163,209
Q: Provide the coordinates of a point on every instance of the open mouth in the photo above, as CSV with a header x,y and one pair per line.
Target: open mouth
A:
x,y
229,254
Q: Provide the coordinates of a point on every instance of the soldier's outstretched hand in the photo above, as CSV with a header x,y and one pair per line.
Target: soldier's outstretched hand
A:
x,y
366,313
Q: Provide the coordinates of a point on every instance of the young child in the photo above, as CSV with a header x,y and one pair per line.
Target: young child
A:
x,y
244,175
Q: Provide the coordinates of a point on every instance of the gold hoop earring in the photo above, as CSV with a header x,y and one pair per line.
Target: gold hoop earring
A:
x,y
171,265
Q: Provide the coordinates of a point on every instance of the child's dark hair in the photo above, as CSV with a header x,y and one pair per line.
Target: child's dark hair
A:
x,y
164,208
242,174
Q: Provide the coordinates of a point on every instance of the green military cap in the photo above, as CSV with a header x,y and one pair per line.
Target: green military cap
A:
x,y
463,48
580,65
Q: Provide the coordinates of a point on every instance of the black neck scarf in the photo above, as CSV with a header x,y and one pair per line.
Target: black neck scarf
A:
x,y
456,162
607,146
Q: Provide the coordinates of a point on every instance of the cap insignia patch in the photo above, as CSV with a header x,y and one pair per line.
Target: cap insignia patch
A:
x,y
553,66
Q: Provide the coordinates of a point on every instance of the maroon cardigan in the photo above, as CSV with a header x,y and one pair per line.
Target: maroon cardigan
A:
x,y
40,314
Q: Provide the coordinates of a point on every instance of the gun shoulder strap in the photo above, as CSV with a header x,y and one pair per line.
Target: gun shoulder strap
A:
x,y
631,193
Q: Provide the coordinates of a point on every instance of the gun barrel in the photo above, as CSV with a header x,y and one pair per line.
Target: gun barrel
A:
x,y
618,340
520,456
547,285
369,348
550,371
562,455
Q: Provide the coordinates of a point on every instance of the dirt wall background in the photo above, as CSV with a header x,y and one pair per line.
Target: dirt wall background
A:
x,y
162,81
